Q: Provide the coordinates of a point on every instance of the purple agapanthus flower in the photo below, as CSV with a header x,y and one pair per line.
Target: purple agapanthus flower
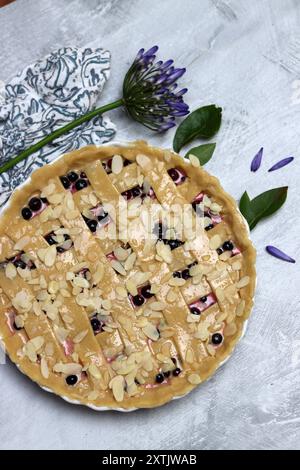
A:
x,y
149,91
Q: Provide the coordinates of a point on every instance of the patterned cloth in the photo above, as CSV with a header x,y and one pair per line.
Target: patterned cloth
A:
x,y
47,95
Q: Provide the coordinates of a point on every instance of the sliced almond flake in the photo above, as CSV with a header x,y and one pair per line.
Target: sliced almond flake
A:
x,y
143,161
131,287
236,266
231,317
37,308
67,319
164,251
65,293
155,288
129,263
220,294
216,208
161,358
106,304
70,276
48,190
94,371
151,332
211,350
121,292
206,221
195,270
121,254
176,281
225,256
10,271
56,198
243,282
117,164
44,368
117,385
67,244
41,253
202,332
30,351
157,306
189,356
171,296
53,287
140,278
240,308
93,199
80,336
71,368
37,342
21,243
230,329
194,161
79,281
93,395
117,266
194,379
50,256
19,321
206,201
142,322
215,242
49,349
22,301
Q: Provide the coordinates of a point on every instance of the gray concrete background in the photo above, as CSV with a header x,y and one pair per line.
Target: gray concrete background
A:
x,y
244,56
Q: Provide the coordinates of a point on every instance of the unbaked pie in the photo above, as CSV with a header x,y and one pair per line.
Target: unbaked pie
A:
x,y
126,276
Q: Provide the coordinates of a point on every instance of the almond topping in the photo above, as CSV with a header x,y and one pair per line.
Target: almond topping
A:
x,y
72,368
131,287
50,256
194,379
194,161
176,281
117,164
117,385
94,371
118,267
240,308
243,282
10,271
44,368
151,332
80,336
215,242
22,243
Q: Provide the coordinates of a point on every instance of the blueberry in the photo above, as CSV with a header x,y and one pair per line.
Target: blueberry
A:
x,y
216,339
82,174
138,300
186,274
136,191
177,274
127,194
35,204
195,311
65,182
60,249
80,184
92,225
96,325
173,173
49,239
219,251
167,374
176,372
71,379
228,246
159,378
26,213
145,291
72,176
19,264
209,227
174,243
204,299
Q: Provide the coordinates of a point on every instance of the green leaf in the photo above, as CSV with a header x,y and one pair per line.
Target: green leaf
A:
x,y
202,152
263,205
204,122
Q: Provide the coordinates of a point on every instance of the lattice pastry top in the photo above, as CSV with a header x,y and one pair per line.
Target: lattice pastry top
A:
x,y
126,276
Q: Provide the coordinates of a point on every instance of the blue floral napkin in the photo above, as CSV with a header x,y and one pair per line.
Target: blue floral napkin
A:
x,y
46,95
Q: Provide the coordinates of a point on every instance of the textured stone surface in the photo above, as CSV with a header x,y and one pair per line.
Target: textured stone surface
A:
x,y
246,59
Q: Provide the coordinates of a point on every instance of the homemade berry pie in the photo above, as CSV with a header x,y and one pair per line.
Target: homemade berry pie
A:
x,y
126,276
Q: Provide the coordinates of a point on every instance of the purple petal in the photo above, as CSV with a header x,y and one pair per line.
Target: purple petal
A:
x,y
281,163
256,162
151,51
167,125
272,250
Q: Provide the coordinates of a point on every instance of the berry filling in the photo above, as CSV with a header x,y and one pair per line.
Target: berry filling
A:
x,y
21,260
10,321
144,293
139,191
228,245
36,205
62,246
215,218
107,164
200,305
177,175
102,218
185,273
68,346
74,182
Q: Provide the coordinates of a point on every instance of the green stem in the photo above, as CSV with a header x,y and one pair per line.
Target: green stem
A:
x,y
62,130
